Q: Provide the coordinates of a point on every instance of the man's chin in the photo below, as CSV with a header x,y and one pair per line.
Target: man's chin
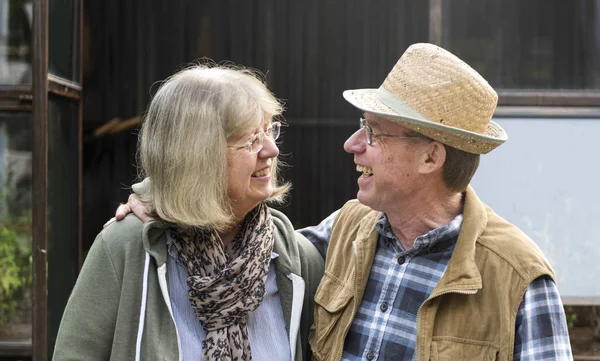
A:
x,y
364,199
368,201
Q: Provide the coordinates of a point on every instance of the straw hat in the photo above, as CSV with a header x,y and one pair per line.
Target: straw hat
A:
x,y
433,92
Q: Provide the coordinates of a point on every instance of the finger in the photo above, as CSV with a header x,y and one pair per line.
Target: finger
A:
x,y
109,222
138,208
122,211
133,200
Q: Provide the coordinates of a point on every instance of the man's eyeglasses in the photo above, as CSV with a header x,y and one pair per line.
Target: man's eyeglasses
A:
x,y
255,142
372,135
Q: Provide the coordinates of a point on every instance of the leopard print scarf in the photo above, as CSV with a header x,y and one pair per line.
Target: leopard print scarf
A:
x,y
227,284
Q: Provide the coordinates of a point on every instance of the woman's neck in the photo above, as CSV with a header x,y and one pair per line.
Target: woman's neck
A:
x,y
229,234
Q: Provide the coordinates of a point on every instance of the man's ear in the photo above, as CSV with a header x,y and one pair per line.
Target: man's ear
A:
x,y
433,158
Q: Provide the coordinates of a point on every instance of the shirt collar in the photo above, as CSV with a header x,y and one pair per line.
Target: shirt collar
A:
x,y
428,240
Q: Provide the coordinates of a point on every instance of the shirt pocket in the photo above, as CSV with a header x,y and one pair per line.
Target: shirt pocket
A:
x,y
332,315
453,348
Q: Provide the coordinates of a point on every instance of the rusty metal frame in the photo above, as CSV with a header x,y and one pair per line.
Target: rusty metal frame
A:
x,y
40,179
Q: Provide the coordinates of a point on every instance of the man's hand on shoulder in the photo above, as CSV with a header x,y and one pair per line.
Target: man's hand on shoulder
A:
x,y
133,205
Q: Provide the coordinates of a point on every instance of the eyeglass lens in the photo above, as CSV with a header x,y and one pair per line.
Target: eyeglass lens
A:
x,y
257,143
368,131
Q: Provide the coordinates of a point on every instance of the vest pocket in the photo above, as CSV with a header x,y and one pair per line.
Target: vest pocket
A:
x,y
453,348
331,301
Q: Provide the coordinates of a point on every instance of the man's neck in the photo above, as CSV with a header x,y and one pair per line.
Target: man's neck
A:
x,y
424,214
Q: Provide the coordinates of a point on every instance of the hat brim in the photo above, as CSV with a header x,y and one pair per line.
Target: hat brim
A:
x,y
367,100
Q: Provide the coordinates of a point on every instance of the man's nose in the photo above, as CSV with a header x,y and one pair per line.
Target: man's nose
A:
x,y
356,143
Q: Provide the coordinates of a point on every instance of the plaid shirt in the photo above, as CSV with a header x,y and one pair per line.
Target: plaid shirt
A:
x,y
385,327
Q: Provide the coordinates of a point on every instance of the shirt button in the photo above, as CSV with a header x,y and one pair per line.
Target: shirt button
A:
x,y
370,356
401,260
384,307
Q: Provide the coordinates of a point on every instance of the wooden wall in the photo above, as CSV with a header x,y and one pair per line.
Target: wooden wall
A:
x,y
311,51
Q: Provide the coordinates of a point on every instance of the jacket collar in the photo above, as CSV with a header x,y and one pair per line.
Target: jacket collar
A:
x,y
288,260
286,265
155,241
462,273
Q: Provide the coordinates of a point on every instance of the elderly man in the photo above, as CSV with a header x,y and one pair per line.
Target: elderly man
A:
x,y
418,268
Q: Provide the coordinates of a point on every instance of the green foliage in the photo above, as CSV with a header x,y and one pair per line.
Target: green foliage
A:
x,y
15,256
571,316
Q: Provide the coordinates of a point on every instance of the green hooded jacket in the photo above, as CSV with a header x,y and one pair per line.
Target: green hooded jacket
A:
x,y
120,308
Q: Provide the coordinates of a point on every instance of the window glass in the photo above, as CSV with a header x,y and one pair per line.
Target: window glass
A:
x,y
15,42
15,228
533,44
61,61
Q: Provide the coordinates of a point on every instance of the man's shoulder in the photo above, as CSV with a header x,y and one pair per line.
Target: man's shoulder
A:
x,y
353,210
354,221
511,244
500,232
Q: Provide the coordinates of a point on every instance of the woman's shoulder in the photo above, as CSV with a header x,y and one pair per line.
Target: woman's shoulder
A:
x,y
301,246
285,230
122,235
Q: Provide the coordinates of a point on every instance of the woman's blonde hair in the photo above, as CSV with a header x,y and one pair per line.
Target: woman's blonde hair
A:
x,y
183,141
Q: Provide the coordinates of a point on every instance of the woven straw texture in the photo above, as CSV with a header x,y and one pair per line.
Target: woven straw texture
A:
x,y
453,103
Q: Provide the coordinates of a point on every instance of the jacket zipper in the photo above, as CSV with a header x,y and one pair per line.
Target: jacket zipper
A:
x,y
466,292
354,254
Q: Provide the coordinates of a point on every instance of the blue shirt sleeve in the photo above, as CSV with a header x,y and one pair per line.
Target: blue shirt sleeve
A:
x,y
541,325
319,235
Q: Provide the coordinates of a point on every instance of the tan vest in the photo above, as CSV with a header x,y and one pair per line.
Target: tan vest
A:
x,y
470,314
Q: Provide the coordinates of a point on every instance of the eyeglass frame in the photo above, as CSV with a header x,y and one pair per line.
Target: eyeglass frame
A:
x,y
370,134
260,136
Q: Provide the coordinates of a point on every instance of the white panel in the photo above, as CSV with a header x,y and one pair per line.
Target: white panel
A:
x,y
546,179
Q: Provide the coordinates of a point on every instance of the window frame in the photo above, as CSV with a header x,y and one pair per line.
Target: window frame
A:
x,y
16,98
34,98
40,178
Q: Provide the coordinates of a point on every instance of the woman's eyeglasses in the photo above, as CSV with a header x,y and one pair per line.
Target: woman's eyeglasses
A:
x,y
255,142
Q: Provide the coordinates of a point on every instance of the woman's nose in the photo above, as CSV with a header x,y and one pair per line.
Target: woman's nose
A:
x,y
270,149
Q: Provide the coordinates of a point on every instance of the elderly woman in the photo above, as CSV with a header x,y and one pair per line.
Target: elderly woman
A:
x,y
217,274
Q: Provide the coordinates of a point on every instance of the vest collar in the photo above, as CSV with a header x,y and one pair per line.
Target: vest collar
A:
x,y
462,273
